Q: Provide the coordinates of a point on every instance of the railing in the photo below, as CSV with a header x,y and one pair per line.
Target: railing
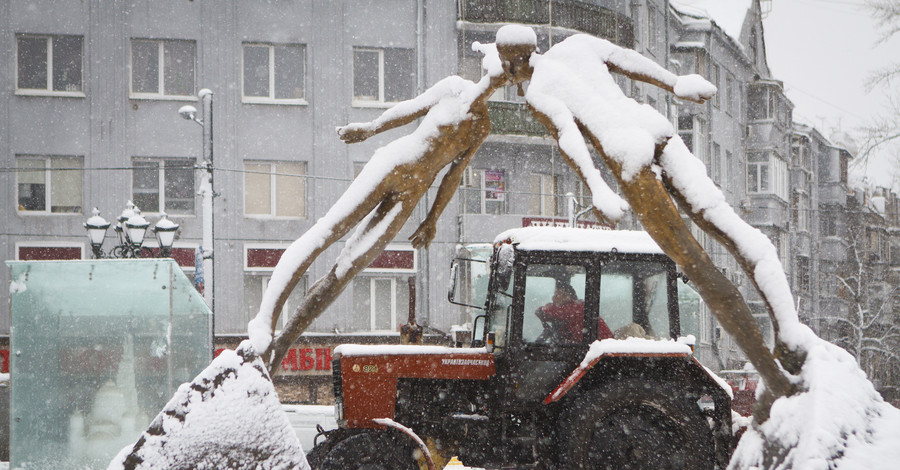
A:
x,y
514,118
572,14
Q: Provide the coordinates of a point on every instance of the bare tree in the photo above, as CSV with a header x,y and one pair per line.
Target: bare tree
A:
x,y
868,331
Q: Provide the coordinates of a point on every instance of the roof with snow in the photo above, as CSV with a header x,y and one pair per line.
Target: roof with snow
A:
x,y
578,239
728,14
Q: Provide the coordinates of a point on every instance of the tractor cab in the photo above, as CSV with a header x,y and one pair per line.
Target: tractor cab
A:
x,y
552,292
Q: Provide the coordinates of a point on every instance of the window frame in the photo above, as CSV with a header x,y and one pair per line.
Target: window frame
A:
x,y
161,72
381,101
370,279
48,186
467,184
271,99
48,91
542,198
161,185
273,190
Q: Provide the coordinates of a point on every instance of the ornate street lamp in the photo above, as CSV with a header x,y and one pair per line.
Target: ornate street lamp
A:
x,y
131,227
165,234
96,227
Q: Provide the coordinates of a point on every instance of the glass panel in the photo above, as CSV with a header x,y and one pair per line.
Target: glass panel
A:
x,y
655,301
764,178
554,304
257,189
534,196
256,71
145,67
32,185
383,296
616,299
65,185
253,292
689,310
32,63
101,347
290,191
289,72
753,178
633,299
494,191
145,185
366,75
179,190
67,63
399,74
548,193
402,299
499,314
362,306
471,193
179,67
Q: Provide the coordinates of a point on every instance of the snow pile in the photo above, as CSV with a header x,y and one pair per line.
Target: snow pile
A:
x,y
579,239
839,421
631,346
228,417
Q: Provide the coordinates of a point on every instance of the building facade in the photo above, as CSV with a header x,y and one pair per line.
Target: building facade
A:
x,y
89,117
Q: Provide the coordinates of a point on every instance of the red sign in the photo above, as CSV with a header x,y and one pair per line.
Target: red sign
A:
x,y
43,253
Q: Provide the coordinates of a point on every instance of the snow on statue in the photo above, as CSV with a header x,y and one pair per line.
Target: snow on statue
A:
x,y
380,200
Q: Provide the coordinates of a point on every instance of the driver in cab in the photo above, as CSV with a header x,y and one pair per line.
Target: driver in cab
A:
x,y
565,316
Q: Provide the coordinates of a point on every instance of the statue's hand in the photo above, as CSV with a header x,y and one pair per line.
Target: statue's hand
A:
x,y
694,88
423,235
356,132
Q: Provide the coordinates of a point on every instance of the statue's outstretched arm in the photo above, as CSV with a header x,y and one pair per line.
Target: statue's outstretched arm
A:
x,y
635,66
403,112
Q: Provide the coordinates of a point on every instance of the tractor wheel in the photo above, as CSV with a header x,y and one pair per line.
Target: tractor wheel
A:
x,y
635,424
368,451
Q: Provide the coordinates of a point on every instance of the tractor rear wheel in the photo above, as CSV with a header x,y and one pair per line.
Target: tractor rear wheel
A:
x,y
634,424
376,450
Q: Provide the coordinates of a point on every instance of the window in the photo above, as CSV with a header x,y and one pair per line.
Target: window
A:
x,y
554,304
383,75
163,185
255,284
276,189
542,197
729,94
727,170
381,303
801,211
803,274
766,173
49,185
49,63
274,73
162,68
484,192
714,78
652,28
715,165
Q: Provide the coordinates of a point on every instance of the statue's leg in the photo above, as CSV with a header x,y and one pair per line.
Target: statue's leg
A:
x,y
359,252
352,207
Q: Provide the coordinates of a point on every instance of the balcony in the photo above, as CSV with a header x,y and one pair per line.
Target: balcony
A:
x,y
581,16
510,118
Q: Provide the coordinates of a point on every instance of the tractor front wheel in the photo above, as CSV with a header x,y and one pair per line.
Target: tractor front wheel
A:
x,y
375,450
634,424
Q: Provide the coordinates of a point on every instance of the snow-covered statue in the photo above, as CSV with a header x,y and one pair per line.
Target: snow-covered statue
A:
x,y
379,201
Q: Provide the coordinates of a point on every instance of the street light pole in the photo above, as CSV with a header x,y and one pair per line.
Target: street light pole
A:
x,y
206,188
208,194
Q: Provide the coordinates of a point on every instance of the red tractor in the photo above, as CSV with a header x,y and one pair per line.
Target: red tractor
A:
x,y
593,377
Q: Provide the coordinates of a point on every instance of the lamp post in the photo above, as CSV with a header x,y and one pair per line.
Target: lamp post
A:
x,y
131,227
206,187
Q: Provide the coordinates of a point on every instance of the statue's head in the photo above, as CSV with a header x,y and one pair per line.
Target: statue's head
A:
x,y
516,43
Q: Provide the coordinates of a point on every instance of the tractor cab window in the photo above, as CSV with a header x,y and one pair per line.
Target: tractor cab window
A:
x,y
554,304
499,313
634,299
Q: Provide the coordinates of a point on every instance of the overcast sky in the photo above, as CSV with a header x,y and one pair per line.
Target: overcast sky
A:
x,y
823,51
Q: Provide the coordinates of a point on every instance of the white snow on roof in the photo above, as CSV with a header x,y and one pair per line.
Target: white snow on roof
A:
x,y
400,349
728,14
578,239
